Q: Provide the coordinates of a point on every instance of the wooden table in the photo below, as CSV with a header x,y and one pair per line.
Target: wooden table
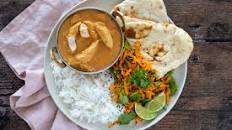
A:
x,y
206,102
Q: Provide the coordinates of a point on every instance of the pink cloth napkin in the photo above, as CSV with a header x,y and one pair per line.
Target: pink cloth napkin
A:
x,y
22,43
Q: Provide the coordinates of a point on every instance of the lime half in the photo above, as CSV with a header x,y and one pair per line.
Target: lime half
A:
x,y
144,113
157,103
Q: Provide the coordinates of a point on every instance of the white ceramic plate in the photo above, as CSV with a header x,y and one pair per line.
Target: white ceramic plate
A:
x,y
107,5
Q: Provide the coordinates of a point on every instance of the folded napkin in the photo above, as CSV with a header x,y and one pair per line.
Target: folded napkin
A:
x,y
22,44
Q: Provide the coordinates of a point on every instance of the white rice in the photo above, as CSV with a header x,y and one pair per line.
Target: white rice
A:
x,y
87,96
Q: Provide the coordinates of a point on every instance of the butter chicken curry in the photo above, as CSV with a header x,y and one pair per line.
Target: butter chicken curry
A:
x,y
89,40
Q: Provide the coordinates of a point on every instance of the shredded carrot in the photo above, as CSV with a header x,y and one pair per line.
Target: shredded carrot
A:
x,y
168,94
130,106
149,94
163,86
151,88
126,88
142,94
115,97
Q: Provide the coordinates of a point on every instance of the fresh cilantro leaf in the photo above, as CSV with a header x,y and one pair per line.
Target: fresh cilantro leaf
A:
x,y
127,45
123,98
145,101
116,72
157,84
122,85
144,83
169,73
140,73
125,118
173,86
135,96
153,74
138,78
124,65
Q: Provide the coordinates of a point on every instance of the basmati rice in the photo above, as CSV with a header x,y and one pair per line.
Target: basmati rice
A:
x,y
87,96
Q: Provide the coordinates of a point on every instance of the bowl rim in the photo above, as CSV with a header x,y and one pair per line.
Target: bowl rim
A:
x,y
68,14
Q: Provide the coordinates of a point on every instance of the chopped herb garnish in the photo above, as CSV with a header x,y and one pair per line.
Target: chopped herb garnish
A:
x,y
157,84
144,82
127,45
153,74
115,72
125,118
173,86
135,96
124,65
145,101
139,78
123,98
169,73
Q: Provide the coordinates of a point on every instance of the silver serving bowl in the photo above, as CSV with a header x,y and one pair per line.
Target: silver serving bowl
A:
x,y
57,57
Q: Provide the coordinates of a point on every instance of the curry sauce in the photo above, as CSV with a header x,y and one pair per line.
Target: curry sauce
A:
x,y
104,55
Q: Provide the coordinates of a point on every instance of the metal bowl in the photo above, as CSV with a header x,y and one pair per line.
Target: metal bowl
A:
x,y
59,60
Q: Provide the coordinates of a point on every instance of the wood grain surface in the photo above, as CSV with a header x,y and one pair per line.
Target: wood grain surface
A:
x,y
206,102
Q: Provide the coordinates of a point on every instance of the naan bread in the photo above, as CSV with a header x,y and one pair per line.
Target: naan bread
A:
x,y
138,29
167,45
153,10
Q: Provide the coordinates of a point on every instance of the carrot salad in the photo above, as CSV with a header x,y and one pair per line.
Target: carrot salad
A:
x,y
136,81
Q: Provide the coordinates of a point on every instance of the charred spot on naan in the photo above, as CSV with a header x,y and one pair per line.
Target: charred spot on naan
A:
x,y
130,11
138,30
130,33
146,56
158,51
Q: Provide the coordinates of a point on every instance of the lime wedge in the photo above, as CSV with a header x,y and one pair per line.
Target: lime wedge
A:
x,y
144,113
157,103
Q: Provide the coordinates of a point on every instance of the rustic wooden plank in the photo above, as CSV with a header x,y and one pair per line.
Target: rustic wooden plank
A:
x,y
6,92
195,120
205,103
10,121
11,8
210,74
4,101
208,20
